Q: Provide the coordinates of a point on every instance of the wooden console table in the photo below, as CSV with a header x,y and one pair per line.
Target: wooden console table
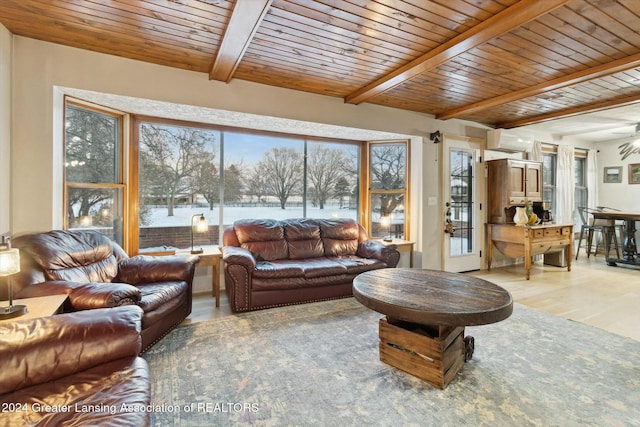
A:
x,y
210,257
515,242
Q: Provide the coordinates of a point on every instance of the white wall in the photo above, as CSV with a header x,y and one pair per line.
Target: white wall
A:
x,y
40,67
620,196
5,128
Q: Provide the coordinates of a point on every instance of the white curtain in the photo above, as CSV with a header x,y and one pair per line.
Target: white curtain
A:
x,y
536,152
592,179
565,185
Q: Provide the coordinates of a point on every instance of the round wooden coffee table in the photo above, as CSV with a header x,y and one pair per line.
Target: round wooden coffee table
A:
x,y
426,313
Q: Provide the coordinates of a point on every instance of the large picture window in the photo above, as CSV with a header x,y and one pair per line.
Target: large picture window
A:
x,y
186,171
94,187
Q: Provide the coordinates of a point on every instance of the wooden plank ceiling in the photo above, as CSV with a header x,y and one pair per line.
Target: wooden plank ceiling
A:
x,y
504,63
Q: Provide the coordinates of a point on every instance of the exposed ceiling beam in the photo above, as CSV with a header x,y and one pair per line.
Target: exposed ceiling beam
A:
x,y
573,111
243,24
551,85
501,23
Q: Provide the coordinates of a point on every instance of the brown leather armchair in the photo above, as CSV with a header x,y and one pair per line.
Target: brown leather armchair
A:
x,y
74,369
96,272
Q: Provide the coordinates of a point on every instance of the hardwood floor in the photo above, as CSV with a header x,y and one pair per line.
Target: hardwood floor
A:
x,y
592,293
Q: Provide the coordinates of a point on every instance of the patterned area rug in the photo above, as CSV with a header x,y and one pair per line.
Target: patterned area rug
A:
x,y
318,365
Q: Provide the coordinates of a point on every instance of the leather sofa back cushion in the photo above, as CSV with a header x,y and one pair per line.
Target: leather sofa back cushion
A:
x,y
263,237
340,237
303,238
76,257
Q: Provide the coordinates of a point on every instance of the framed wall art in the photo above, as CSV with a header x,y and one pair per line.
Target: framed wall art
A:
x,y
634,173
612,174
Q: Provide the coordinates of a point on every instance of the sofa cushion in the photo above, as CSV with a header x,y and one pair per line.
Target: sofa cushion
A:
x,y
264,238
303,238
339,236
357,265
322,267
278,269
161,295
77,256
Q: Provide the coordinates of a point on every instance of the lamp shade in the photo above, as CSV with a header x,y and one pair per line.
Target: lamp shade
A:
x,y
200,225
9,262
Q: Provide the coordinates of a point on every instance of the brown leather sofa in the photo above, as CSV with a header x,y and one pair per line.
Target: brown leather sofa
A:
x,y
75,369
269,263
96,273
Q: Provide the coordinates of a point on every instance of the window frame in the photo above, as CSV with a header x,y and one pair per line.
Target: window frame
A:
x,y
366,217
119,160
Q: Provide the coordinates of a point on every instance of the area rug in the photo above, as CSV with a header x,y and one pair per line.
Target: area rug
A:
x,y
318,365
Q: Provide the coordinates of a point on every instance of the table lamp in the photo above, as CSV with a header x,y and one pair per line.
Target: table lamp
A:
x,y
198,225
10,264
385,222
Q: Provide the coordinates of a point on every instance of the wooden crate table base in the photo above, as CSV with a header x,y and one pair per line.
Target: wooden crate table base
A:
x,y
433,354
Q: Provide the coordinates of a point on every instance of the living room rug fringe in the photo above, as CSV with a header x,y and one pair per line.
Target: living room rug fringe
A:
x,y
318,365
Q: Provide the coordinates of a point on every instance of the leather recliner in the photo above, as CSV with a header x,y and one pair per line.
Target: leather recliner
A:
x,y
96,273
79,369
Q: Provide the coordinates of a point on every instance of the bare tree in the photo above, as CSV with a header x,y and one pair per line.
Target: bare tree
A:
x,y
173,154
282,169
325,168
206,179
255,182
388,173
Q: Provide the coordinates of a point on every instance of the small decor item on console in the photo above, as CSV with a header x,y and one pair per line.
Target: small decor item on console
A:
x,y
521,218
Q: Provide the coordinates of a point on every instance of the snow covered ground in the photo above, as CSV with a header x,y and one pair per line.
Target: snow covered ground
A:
x,y
182,214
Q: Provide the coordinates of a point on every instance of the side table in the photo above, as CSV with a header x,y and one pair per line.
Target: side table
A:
x,y
209,258
38,306
403,246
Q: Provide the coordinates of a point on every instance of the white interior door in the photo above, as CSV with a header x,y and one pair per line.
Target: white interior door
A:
x,y
463,186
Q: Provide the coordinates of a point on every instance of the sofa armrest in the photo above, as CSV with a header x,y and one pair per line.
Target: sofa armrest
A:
x,y
375,249
39,350
85,296
142,269
235,255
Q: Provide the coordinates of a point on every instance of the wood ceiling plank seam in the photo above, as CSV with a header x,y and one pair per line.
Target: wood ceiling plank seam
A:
x,y
455,11
535,90
574,111
518,14
276,52
498,55
348,26
104,47
318,53
241,29
633,9
618,83
96,28
535,54
301,62
588,33
156,10
190,8
318,28
407,12
311,73
559,43
405,29
138,19
339,49
268,29
96,23
256,75
380,30
505,77
625,39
